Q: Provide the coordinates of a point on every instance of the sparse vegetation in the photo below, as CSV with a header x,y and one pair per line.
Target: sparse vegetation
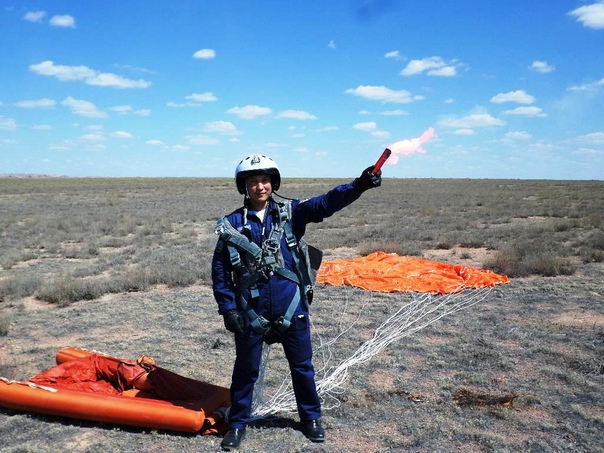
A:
x,y
123,266
75,239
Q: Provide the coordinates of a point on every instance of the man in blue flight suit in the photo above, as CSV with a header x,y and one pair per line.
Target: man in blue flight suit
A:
x,y
259,284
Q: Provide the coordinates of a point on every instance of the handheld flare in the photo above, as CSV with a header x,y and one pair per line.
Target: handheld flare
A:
x,y
383,158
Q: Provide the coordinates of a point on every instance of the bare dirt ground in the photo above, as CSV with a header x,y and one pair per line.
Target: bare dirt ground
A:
x,y
522,370
530,356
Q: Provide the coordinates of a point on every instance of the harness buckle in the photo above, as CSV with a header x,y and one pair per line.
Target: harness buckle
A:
x,y
271,246
262,325
281,324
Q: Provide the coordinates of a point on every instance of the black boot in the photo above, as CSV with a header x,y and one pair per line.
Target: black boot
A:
x,y
313,430
233,439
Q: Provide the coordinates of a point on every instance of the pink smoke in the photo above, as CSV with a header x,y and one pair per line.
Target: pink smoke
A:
x,y
409,146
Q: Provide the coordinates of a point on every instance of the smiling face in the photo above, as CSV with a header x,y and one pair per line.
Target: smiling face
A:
x,y
259,189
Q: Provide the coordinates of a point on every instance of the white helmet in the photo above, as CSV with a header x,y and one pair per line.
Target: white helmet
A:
x,y
257,164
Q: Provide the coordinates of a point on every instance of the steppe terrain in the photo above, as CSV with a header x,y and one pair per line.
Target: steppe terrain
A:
x,y
122,266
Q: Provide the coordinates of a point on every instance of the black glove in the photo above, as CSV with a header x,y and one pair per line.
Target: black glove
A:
x,y
233,321
368,180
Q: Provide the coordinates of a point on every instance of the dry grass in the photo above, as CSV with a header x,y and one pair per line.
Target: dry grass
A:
x,y
540,339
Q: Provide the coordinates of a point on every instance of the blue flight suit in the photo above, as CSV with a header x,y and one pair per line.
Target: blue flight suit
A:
x,y
275,295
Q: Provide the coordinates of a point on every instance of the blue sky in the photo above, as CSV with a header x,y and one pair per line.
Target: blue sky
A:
x,y
511,89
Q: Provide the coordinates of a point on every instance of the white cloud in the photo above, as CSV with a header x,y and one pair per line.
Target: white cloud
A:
x,y
83,108
7,124
202,140
328,129
296,115
542,66
588,152
594,138
43,103
249,112
134,68
205,54
201,97
394,113
64,146
588,86
380,134
274,145
42,127
93,137
526,111
395,55
34,16
221,127
367,127
121,134
434,66
472,121
121,109
384,94
591,16
61,72
97,147
196,99
445,71
332,44
518,96
85,74
154,142
64,21
464,132
127,110
107,79
182,104
518,135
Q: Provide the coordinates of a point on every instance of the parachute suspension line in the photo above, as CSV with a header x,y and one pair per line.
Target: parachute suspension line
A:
x,y
283,399
259,399
422,310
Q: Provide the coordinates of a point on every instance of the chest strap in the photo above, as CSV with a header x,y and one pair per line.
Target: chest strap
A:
x,y
264,264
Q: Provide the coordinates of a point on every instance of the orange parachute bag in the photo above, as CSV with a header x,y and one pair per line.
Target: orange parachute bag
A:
x,y
93,386
389,272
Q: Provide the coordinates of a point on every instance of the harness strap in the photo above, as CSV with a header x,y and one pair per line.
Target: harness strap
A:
x,y
283,323
299,264
259,323
265,262
262,325
286,273
230,235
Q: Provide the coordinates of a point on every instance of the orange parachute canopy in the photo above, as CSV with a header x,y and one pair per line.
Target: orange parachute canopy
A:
x,y
389,272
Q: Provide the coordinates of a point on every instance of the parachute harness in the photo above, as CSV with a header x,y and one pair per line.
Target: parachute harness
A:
x,y
263,262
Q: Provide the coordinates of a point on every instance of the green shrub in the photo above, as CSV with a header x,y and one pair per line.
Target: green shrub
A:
x,y
65,289
4,323
19,285
592,247
522,258
176,266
